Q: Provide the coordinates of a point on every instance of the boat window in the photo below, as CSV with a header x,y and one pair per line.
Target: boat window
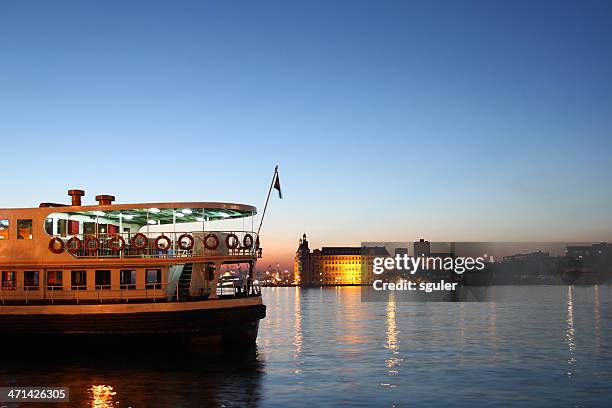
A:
x,y
103,279
4,229
8,280
31,280
62,227
89,227
49,226
78,280
54,280
153,278
24,229
73,227
128,279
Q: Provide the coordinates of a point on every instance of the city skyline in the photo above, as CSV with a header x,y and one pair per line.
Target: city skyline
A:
x,y
389,122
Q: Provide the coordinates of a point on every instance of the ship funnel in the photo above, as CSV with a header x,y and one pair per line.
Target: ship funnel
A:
x,y
105,199
76,196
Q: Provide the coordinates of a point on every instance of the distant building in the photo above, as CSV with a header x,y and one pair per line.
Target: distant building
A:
x,y
422,248
367,256
401,251
584,251
335,265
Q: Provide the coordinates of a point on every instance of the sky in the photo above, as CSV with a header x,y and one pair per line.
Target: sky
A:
x,y
390,121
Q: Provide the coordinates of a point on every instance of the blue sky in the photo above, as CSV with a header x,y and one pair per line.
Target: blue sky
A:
x,y
389,120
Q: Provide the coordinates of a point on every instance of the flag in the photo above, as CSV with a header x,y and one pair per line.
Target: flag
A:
x,y
277,186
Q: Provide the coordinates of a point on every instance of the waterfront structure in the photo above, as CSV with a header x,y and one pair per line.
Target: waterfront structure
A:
x,y
274,276
584,251
127,269
532,256
335,265
579,265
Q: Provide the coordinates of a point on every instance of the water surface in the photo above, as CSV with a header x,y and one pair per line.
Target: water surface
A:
x,y
550,347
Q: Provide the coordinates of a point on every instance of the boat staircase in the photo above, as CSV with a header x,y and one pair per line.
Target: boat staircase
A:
x,y
184,282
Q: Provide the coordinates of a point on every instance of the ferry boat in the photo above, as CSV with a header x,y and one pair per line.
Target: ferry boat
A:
x,y
116,270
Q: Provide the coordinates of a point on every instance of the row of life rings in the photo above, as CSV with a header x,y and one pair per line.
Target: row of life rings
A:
x,y
91,244
211,241
140,241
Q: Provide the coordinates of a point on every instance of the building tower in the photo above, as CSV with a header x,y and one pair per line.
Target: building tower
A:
x,y
422,248
303,265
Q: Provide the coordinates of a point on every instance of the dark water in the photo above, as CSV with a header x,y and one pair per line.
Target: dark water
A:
x,y
551,347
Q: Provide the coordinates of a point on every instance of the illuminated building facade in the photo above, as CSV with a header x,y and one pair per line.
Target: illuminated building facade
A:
x,y
338,265
334,265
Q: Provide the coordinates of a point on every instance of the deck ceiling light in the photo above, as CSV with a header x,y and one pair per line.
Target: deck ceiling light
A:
x,y
186,211
154,210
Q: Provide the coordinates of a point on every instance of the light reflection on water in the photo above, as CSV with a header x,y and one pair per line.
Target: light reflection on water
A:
x,y
570,337
102,396
550,347
394,361
297,328
324,347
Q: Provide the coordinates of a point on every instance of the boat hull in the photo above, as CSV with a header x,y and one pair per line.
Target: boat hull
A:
x,y
225,320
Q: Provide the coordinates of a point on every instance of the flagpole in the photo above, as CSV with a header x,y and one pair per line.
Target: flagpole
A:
x,y
263,214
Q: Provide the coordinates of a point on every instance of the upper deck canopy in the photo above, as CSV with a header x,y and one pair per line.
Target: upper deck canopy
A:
x,y
164,213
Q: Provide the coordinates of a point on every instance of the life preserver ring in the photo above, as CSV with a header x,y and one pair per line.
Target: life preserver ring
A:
x,y
182,245
74,245
161,248
56,249
257,244
89,241
229,243
215,240
140,237
114,240
247,241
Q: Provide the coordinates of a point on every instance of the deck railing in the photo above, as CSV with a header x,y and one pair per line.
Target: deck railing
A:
x,y
80,293
153,292
160,244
